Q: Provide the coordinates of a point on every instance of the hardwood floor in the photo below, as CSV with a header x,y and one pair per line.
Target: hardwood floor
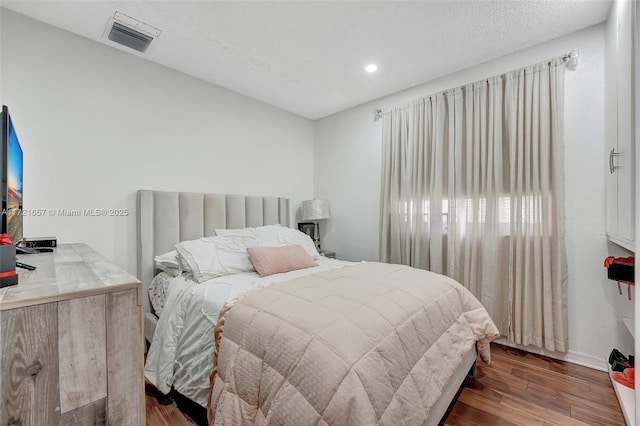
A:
x,y
526,389
163,415
518,388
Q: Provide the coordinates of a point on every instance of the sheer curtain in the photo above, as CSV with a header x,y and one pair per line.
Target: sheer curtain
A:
x,y
473,189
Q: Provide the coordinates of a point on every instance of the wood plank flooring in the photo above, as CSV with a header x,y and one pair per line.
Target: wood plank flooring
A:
x,y
518,388
163,415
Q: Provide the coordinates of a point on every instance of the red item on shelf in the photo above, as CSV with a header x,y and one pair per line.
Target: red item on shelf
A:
x,y
626,378
5,240
630,261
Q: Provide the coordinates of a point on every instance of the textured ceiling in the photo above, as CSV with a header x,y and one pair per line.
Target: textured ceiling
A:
x,y
308,57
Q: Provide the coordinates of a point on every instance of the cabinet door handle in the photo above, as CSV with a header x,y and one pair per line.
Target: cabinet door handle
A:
x,y
612,154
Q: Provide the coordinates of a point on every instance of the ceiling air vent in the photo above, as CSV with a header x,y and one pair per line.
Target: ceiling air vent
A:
x,y
130,32
130,38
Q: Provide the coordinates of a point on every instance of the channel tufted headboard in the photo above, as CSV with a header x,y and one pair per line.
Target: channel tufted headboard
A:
x,y
166,218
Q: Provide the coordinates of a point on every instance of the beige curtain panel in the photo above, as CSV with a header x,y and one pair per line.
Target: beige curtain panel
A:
x,y
473,188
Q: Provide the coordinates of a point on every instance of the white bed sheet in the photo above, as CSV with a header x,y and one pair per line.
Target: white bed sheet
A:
x,y
181,352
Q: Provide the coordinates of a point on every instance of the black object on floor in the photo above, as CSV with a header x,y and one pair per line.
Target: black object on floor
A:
x,y
163,399
192,409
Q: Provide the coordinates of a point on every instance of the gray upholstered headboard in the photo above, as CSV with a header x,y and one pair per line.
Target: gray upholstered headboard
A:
x,y
166,218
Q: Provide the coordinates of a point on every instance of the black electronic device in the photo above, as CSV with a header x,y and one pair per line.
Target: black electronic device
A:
x,y
42,242
31,250
26,250
25,266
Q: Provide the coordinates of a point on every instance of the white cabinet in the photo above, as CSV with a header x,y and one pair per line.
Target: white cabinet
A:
x,y
621,97
620,126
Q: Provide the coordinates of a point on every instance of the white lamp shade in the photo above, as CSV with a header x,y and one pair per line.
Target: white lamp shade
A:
x,y
315,210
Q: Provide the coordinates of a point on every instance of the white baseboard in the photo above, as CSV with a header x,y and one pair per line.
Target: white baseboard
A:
x,y
570,356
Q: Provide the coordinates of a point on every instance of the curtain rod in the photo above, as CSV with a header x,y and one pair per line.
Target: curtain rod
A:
x,y
567,57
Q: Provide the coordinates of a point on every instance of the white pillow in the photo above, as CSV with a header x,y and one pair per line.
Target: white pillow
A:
x,y
241,232
244,232
275,236
212,257
168,263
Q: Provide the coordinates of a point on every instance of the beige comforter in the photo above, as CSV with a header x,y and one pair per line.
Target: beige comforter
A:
x,y
366,344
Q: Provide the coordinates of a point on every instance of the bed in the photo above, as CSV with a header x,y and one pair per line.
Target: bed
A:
x,y
167,218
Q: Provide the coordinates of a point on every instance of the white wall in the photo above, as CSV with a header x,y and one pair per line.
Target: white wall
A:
x,y
348,164
96,124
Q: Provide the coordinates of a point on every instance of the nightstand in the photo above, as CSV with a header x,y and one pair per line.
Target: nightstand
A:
x,y
328,254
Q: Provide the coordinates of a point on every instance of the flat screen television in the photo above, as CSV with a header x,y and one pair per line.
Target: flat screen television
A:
x,y
11,172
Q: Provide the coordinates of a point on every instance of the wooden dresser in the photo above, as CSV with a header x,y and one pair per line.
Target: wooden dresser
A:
x,y
71,342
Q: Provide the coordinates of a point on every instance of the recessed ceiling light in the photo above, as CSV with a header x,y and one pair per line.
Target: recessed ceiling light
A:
x,y
371,68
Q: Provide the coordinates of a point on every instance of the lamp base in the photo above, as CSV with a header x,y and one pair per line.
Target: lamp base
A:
x,y
316,238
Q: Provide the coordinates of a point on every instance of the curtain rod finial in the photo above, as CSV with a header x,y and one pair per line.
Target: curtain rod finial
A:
x,y
571,59
377,114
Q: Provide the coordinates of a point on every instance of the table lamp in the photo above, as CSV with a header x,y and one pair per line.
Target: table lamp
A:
x,y
315,210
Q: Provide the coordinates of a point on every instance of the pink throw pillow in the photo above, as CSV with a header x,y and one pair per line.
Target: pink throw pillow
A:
x,y
274,260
